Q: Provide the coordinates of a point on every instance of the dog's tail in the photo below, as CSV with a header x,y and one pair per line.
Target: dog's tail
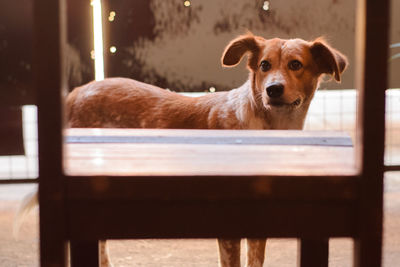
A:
x,y
28,203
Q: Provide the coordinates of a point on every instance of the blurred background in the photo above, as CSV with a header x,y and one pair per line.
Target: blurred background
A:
x,y
175,44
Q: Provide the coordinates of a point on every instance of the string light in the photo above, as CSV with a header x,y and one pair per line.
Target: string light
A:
x,y
187,3
113,49
266,5
111,17
212,89
92,55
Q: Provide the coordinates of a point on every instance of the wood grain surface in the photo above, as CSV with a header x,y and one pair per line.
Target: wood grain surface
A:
x,y
200,152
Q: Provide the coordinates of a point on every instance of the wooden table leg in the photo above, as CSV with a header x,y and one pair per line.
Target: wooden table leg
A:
x,y
313,253
84,254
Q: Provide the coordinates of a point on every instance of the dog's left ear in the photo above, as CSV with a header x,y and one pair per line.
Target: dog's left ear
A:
x,y
328,59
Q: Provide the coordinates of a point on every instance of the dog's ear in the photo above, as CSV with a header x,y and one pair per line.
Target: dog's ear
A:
x,y
328,59
237,48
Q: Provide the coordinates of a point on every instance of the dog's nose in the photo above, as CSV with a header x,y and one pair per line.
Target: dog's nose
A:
x,y
275,90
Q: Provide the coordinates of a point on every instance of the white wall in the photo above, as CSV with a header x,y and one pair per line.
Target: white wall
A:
x,y
189,44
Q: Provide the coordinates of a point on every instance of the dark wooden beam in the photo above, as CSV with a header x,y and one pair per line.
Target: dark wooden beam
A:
x,y
209,219
313,252
49,79
84,254
371,81
287,188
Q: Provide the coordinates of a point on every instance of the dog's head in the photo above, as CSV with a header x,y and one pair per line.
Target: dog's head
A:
x,y
285,73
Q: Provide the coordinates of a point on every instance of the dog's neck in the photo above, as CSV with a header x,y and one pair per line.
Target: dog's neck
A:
x,y
253,115
241,102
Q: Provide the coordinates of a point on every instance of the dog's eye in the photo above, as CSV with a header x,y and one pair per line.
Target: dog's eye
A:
x,y
265,65
295,65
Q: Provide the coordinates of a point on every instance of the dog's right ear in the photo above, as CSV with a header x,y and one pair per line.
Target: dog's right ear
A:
x,y
236,49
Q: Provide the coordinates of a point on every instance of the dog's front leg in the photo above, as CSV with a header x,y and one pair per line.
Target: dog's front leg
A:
x,y
229,252
104,256
255,252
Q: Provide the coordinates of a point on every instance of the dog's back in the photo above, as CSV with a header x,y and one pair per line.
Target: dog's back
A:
x,y
126,103
119,103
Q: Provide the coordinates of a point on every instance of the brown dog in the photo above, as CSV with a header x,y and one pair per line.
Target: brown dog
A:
x,y
284,75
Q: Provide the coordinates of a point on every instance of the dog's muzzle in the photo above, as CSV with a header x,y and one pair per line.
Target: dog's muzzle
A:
x,y
275,92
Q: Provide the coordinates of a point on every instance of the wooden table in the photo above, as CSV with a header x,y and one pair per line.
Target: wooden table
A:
x,y
145,183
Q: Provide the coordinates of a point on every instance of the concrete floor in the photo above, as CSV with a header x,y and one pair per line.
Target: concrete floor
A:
x,y
193,252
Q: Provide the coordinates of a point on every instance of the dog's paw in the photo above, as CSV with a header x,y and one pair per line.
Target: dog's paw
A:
x,y
106,263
